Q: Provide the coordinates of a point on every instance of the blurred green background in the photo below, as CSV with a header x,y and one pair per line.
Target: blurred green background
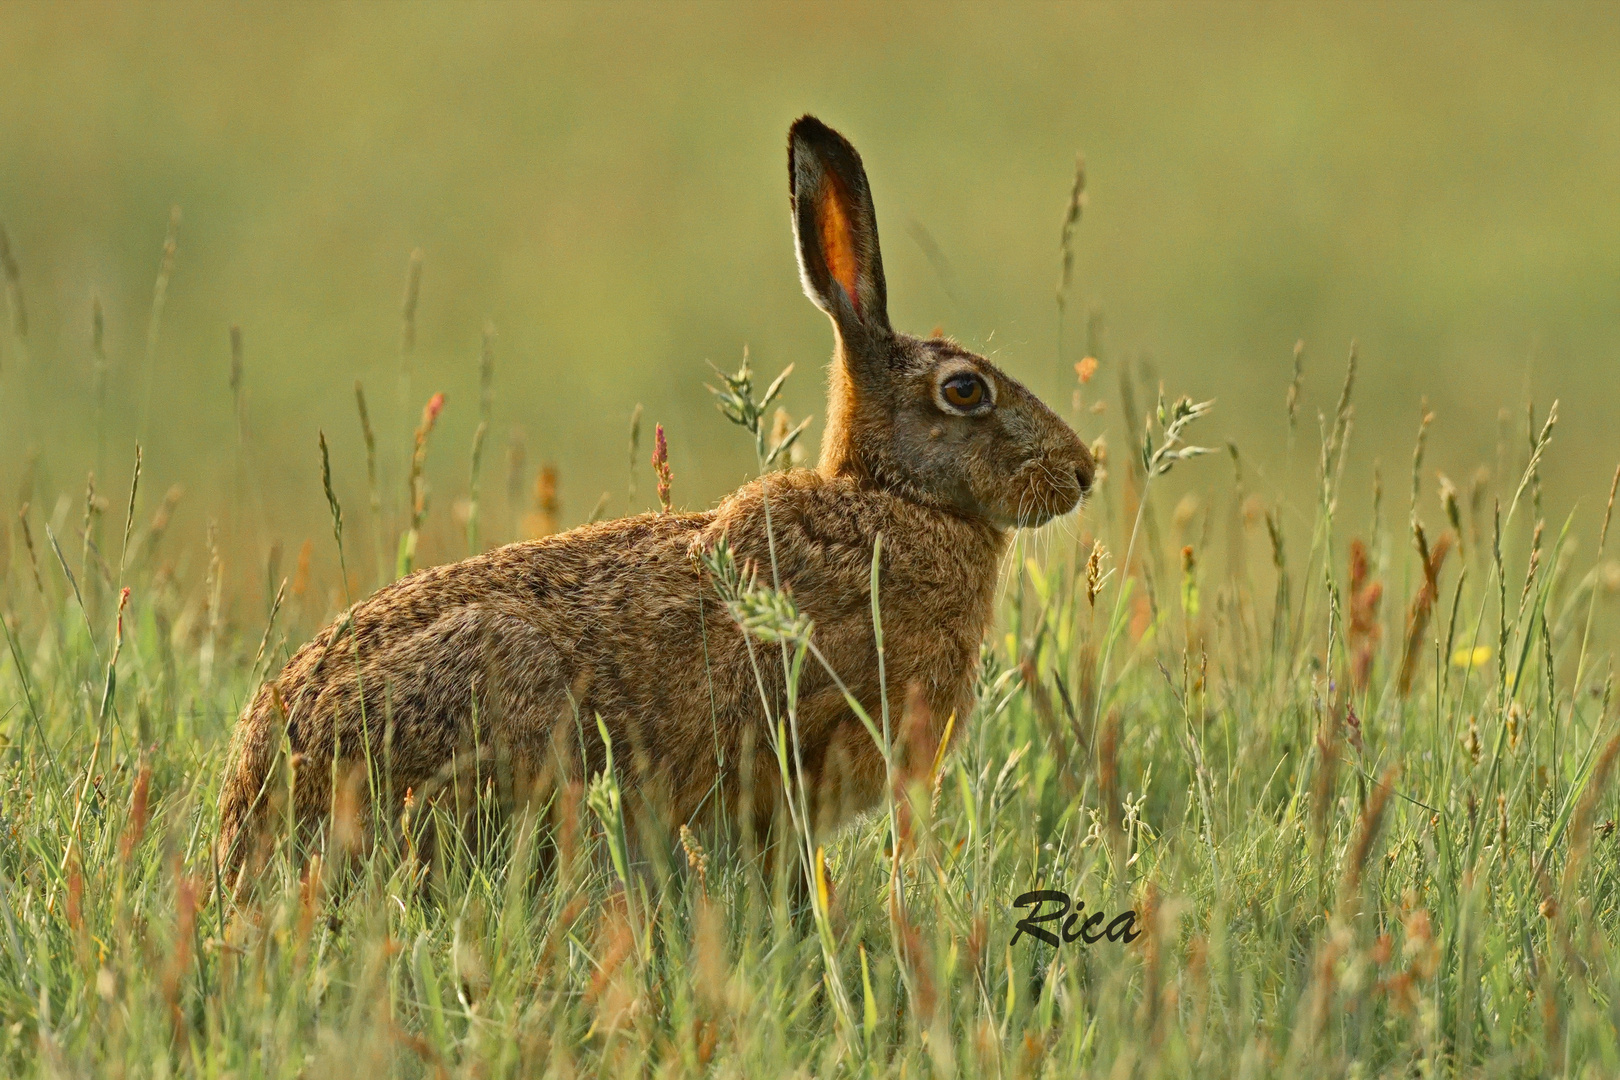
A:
x,y
606,184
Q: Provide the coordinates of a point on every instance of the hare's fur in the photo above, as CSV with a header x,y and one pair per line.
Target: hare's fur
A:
x,y
509,657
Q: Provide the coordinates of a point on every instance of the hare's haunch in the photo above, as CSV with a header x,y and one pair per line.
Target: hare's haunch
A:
x,y
510,656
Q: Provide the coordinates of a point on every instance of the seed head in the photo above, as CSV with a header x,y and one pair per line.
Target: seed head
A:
x,y
660,464
1094,572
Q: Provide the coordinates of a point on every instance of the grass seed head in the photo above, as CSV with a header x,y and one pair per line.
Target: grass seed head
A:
x,y
696,858
1095,575
660,464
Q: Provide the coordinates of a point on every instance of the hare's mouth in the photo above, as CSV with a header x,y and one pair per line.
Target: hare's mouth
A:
x,y
1046,493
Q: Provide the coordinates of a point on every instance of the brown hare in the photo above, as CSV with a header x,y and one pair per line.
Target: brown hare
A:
x,y
511,656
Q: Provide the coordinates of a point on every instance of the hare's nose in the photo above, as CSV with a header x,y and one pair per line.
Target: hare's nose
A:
x,y
1085,469
1084,472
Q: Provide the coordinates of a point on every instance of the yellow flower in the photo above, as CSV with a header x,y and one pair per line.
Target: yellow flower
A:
x,y
1476,657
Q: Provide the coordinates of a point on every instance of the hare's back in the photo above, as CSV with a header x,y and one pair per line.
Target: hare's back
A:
x,y
594,614
582,579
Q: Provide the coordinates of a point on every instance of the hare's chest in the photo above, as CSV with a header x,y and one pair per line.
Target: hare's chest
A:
x,y
932,639
934,620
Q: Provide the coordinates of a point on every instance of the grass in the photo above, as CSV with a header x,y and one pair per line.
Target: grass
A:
x,y
1356,784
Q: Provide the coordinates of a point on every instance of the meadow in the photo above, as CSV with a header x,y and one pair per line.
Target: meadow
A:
x,y
1317,686
1352,780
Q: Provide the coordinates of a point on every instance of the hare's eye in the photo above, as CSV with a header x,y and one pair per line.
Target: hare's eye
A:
x,y
964,391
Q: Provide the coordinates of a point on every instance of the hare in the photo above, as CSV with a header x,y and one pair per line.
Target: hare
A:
x,y
512,655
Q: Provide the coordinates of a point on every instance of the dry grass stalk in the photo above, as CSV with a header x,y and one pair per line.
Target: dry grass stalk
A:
x,y
1417,619
14,295
1364,629
236,378
139,813
660,464
160,296
1295,385
916,747
159,525
301,574
1108,786
407,308
1372,819
542,520
517,453
486,401
418,491
98,376
1323,785
635,449
417,487
1071,219
28,543
1580,831
175,971
373,491
1041,701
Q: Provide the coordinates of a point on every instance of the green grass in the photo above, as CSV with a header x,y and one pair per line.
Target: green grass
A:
x,y
1193,711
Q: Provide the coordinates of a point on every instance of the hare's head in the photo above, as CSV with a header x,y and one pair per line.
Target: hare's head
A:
x,y
924,418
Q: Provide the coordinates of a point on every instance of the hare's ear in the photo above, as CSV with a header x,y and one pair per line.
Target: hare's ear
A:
x,y
836,230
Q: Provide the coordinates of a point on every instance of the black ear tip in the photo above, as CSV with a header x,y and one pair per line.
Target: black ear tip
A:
x,y
809,132
809,128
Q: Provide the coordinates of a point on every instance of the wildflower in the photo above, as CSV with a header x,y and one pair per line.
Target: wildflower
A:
x,y
1086,368
1476,657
